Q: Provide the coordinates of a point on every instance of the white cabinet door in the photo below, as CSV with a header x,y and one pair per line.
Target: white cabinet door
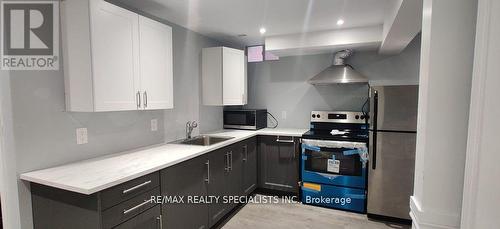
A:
x,y
234,77
156,64
211,77
115,57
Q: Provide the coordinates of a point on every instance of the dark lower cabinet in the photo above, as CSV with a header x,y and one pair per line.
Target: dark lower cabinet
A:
x,y
127,205
129,209
249,166
217,186
189,178
235,173
279,163
225,172
149,219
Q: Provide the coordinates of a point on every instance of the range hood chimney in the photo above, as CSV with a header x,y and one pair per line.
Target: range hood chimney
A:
x,y
339,72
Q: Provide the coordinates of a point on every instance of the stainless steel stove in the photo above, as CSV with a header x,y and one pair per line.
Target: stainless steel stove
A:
x,y
334,160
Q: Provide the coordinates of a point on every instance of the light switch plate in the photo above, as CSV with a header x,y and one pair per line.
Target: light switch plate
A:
x,y
82,136
154,124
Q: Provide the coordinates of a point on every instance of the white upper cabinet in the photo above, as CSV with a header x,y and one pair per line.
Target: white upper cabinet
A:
x,y
115,56
156,64
114,59
224,77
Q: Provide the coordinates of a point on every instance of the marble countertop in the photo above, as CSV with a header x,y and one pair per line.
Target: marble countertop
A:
x,y
96,174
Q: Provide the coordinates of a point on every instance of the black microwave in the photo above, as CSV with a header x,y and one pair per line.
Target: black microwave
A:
x,y
245,119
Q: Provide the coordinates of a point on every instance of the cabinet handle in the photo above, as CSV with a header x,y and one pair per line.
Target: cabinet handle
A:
x,y
230,161
245,149
208,171
160,222
145,99
136,187
126,211
284,141
138,99
226,163
288,141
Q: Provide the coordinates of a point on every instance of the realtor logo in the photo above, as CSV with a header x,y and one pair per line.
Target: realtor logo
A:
x,y
30,35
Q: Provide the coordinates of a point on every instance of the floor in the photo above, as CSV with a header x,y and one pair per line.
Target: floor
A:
x,y
296,215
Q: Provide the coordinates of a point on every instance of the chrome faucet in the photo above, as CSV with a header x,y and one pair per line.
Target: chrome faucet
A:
x,y
189,128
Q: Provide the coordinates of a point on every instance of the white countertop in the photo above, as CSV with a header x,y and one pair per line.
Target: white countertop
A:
x,y
93,175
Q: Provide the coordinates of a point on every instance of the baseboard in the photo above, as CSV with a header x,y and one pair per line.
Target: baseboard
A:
x,y
430,219
271,192
389,219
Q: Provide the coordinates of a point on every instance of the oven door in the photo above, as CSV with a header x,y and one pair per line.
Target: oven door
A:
x,y
240,119
333,165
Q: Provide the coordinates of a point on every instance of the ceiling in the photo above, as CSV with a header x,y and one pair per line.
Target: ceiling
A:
x,y
224,20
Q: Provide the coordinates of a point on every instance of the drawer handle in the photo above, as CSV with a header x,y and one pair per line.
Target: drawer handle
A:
x,y
226,163
208,172
245,150
160,221
136,187
284,141
230,158
126,211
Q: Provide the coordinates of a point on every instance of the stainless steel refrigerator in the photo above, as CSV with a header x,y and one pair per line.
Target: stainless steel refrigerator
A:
x,y
393,125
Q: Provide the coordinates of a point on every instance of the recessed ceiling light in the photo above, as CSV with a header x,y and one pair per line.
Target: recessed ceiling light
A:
x,y
340,22
262,30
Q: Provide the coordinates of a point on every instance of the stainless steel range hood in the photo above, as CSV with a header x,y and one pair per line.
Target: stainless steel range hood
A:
x,y
339,72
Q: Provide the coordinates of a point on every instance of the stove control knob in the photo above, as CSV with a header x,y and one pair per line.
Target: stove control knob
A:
x,y
357,117
318,116
362,117
314,116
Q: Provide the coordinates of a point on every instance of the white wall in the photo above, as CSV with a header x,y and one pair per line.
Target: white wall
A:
x,y
187,87
448,30
481,187
401,69
8,169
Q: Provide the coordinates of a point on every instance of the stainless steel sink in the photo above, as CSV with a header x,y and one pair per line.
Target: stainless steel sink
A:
x,y
204,140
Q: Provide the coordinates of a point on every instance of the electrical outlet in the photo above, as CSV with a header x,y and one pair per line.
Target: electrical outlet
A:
x,y
283,115
154,124
82,136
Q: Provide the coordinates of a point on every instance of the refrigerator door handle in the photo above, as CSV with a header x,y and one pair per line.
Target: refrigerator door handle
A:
x,y
374,135
373,148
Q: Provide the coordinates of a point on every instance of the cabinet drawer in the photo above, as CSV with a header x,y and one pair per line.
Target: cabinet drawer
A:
x,y
127,190
128,209
150,219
